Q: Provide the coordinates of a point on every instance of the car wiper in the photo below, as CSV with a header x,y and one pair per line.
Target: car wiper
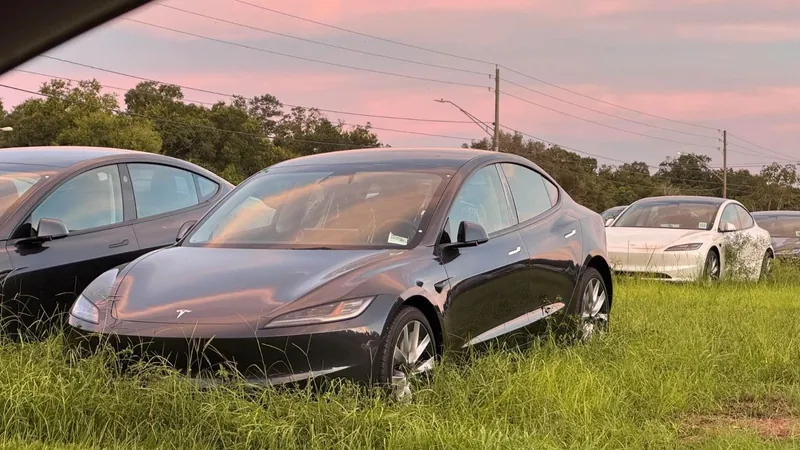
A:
x,y
313,248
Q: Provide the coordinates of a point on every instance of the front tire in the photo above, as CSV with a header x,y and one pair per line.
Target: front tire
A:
x,y
712,269
408,349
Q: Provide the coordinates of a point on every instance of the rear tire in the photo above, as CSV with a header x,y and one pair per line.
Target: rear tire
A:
x,y
407,349
766,266
594,305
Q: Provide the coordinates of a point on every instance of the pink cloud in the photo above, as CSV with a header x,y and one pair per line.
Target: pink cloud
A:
x,y
744,32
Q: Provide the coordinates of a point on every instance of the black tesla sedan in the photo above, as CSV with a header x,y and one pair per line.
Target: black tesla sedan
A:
x,y
363,264
68,214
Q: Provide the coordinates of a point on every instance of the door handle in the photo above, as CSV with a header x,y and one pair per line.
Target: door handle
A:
x,y
119,244
570,234
515,251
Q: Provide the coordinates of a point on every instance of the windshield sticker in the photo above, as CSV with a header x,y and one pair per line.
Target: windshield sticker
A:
x,y
702,225
399,240
797,233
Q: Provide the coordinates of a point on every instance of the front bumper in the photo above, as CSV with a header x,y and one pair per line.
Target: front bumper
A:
x,y
669,266
276,356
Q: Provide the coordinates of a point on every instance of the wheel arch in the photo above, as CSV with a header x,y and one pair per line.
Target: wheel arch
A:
x,y
601,265
427,308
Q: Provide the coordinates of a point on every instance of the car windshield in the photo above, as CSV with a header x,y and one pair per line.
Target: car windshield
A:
x,y
16,179
684,215
780,226
373,209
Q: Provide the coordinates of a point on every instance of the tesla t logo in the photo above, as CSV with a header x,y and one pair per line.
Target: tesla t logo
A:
x,y
182,312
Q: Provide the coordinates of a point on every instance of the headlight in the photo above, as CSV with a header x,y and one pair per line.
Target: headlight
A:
x,y
96,293
684,247
331,312
85,310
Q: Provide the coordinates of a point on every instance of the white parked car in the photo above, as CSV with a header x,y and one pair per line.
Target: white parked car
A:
x,y
685,238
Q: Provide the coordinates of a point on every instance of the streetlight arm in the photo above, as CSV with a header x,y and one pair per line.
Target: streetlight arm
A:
x,y
477,121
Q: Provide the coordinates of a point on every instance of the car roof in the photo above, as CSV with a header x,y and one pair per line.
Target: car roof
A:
x,y
777,213
58,156
450,157
685,198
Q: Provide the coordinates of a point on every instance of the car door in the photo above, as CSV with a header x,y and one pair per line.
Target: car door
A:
x,y
730,225
755,240
47,277
552,237
165,197
488,282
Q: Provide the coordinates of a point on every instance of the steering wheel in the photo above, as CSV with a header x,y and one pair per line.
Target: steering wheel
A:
x,y
390,225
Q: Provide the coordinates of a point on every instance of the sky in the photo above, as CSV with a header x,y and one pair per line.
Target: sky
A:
x,y
621,80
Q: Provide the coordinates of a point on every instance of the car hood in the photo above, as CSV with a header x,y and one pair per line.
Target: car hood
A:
x,y
652,239
225,286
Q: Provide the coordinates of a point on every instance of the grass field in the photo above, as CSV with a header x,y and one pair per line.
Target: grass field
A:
x,y
686,366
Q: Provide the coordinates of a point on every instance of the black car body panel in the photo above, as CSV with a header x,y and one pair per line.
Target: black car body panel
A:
x,y
45,277
472,294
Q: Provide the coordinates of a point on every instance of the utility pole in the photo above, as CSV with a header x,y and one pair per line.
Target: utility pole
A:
x,y
497,108
724,163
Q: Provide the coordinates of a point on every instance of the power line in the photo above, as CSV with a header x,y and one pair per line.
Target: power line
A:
x,y
195,125
224,94
340,47
609,114
761,147
465,58
303,58
607,102
606,125
262,135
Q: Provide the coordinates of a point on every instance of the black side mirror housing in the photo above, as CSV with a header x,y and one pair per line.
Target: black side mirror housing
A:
x,y
50,229
184,229
470,234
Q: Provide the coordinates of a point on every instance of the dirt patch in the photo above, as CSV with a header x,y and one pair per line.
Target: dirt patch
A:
x,y
766,427
771,418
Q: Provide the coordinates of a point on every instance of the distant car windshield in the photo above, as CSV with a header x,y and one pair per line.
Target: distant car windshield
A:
x,y
16,179
342,208
779,225
684,215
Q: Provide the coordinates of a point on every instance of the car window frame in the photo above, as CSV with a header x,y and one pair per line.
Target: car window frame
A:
x,y
546,213
506,194
196,177
722,213
124,180
137,219
747,214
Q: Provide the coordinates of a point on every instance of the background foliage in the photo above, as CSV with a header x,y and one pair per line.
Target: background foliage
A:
x,y
238,138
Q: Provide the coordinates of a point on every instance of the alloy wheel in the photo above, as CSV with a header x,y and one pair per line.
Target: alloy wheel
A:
x,y
594,317
414,354
712,266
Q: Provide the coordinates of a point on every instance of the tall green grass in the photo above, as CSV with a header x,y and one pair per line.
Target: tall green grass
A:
x,y
678,359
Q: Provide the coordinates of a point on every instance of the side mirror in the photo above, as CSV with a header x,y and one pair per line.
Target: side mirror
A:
x,y
184,229
726,227
470,234
50,229
609,221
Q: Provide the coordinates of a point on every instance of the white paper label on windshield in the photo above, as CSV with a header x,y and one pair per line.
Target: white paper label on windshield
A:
x,y
797,233
702,225
399,240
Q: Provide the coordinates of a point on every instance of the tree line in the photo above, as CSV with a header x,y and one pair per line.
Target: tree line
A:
x,y
239,137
